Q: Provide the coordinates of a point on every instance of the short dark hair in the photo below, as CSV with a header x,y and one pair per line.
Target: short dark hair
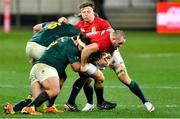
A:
x,y
86,4
120,32
83,38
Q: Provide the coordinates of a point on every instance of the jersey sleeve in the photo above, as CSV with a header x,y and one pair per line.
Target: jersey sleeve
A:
x,y
45,23
103,46
73,59
78,25
73,56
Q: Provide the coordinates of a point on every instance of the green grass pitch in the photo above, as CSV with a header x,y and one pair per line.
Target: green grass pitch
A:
x,y
152,60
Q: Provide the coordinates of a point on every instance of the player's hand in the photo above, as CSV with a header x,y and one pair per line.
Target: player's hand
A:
x,y
63,19
103,62
105,59
83,68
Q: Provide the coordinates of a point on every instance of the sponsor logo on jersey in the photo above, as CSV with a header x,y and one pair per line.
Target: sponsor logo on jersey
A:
x,y
93,29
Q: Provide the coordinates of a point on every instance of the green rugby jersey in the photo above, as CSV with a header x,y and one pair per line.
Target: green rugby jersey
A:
x,y
44,24
60,53
53,31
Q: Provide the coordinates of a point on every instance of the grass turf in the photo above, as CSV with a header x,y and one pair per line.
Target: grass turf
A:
x,y
152,60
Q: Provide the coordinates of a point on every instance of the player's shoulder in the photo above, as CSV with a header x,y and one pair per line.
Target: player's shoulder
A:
x,y
80,23
100,19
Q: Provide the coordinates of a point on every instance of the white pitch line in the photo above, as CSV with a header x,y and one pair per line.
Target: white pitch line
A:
x,y
139,105
168,106
7,86
148,55
111,87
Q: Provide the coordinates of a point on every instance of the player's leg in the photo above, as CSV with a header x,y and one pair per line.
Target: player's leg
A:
x,y
88,90
50,107
48,79
120,69
78,84
98,76
11,109
36,88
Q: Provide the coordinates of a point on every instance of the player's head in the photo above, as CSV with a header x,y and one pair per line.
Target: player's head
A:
x,y
117,38
82,40
87,11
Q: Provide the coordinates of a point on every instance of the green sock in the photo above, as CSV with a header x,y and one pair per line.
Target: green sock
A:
x,y
137,91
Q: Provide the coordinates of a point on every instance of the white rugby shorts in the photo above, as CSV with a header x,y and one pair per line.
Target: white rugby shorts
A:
x,y
41,72
34,51
91,69
117,59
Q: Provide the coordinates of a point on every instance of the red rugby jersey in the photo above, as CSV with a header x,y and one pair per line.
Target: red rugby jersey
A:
x,y
97,25
102,38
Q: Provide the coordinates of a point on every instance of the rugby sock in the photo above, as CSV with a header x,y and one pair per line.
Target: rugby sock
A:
x,y
88,90
78,84
18,106
137,91
99,94
40,99
51,101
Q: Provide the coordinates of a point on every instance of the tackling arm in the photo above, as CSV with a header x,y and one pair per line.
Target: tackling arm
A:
x,y
86,52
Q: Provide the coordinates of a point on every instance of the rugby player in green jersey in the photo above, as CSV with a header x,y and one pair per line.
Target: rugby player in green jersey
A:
x,y
48,74
45,36
39,26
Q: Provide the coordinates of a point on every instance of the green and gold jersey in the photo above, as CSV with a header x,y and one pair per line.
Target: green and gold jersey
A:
x,y
44,24
53,31
60,53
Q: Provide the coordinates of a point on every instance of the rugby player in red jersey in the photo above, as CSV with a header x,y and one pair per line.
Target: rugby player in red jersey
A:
x,y
92,23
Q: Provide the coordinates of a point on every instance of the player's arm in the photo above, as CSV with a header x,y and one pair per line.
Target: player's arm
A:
x,y
110,29
37,28
105,25
63,19
85,54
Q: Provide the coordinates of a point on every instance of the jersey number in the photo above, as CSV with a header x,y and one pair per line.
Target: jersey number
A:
x,y
52,44
54,25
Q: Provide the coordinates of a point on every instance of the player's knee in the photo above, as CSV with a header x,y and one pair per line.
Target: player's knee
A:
x,y
120,71
100,80
123,75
